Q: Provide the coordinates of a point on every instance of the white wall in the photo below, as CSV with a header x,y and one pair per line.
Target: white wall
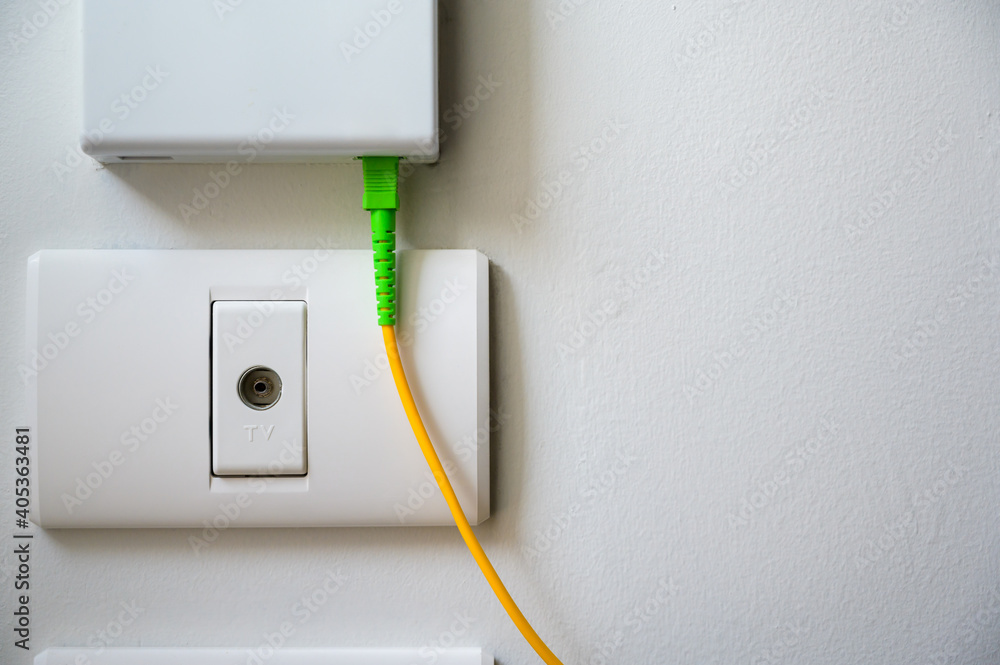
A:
x,y
730,183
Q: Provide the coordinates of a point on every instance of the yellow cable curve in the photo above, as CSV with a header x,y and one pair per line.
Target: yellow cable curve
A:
x,y
406,397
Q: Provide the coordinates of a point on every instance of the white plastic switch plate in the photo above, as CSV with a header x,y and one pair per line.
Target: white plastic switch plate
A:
x,y
262,81
258,388
166,656
120,386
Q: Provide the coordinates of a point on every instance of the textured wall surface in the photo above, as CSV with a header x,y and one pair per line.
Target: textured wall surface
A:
x,y
745,339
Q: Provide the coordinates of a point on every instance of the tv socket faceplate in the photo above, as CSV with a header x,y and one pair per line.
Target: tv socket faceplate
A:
x,y
251,388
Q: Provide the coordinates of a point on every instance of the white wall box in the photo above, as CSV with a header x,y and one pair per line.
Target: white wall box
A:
x,y
164,656
120,383
263,81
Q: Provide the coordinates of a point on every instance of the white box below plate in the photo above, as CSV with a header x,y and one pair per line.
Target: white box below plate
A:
x,y
167,656
119,385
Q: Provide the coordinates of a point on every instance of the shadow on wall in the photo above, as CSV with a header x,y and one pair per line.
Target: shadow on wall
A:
x,y
485,100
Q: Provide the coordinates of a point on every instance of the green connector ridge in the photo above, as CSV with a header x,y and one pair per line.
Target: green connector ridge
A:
x,y
384,244
382,199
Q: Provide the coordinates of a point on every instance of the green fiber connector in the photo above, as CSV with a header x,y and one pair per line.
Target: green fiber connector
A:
x,y
381,179
382,199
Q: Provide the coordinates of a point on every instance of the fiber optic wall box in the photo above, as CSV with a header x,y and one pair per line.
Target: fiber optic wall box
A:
x,y
261,81
222,389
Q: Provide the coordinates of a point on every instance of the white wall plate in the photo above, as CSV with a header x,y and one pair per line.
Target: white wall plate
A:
x,y
119,372
167,656
262,81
